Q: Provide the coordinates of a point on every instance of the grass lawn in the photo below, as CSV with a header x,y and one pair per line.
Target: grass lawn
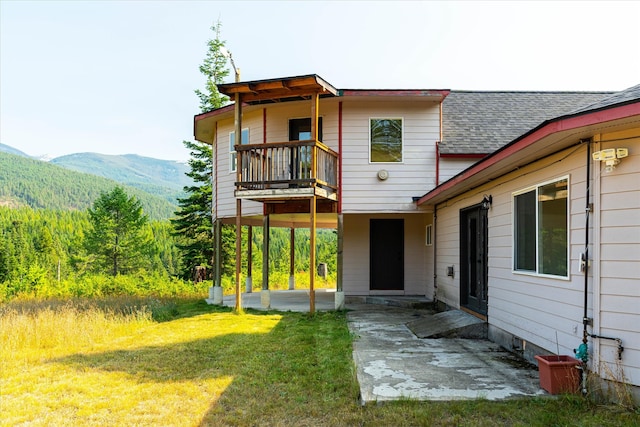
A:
x,y
183,363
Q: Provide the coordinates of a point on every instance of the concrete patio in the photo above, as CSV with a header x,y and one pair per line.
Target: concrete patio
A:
x,y
393,363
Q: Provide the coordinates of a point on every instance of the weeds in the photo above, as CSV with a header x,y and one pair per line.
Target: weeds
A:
x,y
179,362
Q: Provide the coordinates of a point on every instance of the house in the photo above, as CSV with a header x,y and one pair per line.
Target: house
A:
x,y
310,155
543,237
435,193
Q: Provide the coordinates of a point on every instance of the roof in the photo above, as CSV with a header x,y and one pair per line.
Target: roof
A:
x,y
631,94
273,90
480,122
616,111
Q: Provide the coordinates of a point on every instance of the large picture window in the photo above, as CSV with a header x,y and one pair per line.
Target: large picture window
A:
x,y
385,140
232,151
541,216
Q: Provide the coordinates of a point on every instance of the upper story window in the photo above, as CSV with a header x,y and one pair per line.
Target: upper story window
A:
x,y
541,218
232,151
385,140
300,129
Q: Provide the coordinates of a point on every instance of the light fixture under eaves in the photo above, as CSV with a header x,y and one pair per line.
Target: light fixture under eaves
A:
x,y
611,157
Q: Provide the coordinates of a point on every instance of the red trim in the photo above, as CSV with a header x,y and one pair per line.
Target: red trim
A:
x,y
213,113
543,131
264,125
396,92
264,141
463,155
340,157
437,163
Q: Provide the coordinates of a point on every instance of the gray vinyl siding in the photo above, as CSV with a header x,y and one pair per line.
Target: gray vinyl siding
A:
x,y
618,258
361,189
450,167
548,311
418,257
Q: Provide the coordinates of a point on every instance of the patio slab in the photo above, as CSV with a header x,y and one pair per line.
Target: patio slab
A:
x,y
392,363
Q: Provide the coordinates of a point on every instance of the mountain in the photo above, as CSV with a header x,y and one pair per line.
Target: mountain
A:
x,y
163,178
6,149
42,185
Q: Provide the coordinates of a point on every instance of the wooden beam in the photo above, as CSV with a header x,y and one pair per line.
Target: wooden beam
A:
x,y
339,260
292,255
312,256
238,140
249,252
238,253
265,252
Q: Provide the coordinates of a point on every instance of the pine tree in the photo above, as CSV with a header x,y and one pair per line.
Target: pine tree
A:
x,y
118,238
193,222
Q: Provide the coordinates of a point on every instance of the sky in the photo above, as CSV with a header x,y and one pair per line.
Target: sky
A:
x,y
118,77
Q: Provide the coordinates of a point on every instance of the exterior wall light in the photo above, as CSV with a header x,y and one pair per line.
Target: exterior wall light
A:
x,y
611,157
487,201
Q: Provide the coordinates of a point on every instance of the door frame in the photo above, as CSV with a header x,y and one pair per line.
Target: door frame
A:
x,y
380,250
474,248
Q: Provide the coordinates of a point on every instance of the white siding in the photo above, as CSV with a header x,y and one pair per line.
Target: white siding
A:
x,y
547,311
618,259
450,167
531,307
361,189
277,124
225,201
418,257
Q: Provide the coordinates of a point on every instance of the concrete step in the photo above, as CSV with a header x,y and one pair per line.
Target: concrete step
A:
x,y
449,324
402,302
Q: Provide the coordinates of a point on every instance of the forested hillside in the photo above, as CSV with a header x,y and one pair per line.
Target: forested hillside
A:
x,y
41,185
162,178
6,149
43,252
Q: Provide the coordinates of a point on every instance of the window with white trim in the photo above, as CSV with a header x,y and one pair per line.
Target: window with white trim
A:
x,y
541,229
232,151
385,140
428,235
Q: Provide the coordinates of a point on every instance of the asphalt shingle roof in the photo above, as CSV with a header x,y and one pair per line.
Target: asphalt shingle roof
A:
x,y
628,95
480,122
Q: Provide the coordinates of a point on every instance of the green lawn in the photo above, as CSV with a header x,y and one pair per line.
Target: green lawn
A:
x,y
183,363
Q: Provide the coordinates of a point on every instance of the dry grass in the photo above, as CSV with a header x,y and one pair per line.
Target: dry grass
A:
x,y
112,362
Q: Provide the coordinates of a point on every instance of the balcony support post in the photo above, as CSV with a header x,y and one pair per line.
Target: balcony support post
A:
x,y
265,295
249,280
215,292
238,140
292,259
339,299
238,253
312,255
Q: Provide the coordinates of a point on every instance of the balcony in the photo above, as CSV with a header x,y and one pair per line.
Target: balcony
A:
x,y
286,170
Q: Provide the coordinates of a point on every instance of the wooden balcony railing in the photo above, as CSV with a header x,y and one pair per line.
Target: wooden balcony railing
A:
x,y
287,165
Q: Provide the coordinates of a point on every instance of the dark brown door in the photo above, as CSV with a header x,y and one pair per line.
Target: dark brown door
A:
x,y
386,265
473,259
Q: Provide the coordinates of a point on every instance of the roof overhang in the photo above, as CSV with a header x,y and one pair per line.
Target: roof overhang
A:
x,y
258,92
435,95
548,138
274,90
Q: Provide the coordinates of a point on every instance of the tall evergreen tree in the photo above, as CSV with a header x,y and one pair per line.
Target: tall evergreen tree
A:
x,y
117,237
193,220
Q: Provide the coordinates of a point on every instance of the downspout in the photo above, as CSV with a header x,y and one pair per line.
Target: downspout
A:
x,y
582,352
434,235
438,150
585,256
437,163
